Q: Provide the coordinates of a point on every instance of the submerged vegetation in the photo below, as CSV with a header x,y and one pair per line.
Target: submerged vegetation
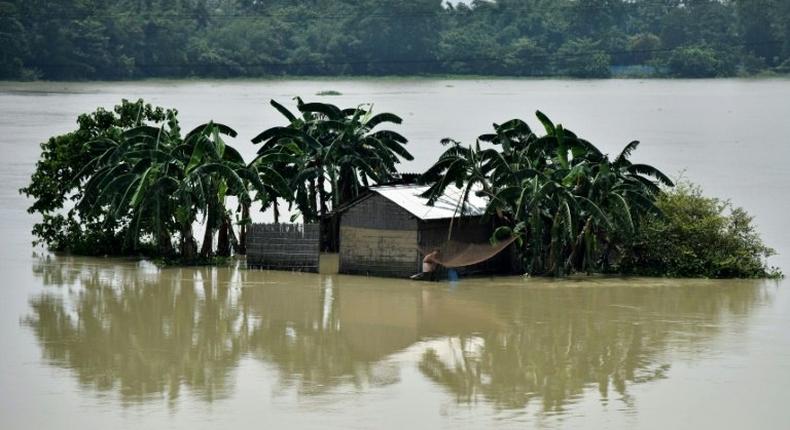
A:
x,y
129,182
697,236
570,205
331,154
132,39
575,209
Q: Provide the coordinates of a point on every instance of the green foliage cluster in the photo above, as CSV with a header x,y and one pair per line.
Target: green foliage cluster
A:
x,y
698,61
126,39
574,209
566,202
55,184
331,154
128,182
697,236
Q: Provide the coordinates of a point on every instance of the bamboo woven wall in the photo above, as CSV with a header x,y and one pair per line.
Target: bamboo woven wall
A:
x,y
284,247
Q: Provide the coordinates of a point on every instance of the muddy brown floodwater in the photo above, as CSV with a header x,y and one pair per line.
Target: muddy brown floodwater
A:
x,y
95,343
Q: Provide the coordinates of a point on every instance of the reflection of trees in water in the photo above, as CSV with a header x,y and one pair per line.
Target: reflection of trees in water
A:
x,y
140,338
560,341
147,332
299,333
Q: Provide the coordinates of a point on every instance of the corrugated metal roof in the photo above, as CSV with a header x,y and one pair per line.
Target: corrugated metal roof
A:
x,y
408,197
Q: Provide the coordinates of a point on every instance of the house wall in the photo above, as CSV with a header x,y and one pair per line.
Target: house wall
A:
x,y
378,238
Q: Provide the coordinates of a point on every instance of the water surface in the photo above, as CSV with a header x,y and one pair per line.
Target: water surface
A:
x,y
104,343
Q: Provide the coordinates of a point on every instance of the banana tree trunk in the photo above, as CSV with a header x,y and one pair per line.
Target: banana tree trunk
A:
x,y
328,234
208,237
346,185
554,246
576,258
234,241
165,243
313,205
322,195
223,239
245,218
188,245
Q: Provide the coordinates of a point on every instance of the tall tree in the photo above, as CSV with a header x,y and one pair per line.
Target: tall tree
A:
x,y
566,202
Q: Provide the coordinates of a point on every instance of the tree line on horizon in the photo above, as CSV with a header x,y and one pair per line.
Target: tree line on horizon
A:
x,y
133,39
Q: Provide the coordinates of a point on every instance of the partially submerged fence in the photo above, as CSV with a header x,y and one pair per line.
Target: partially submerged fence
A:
x,y
284,246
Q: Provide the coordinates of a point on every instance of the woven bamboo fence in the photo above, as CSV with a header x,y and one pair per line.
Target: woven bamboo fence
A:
x,y
294,247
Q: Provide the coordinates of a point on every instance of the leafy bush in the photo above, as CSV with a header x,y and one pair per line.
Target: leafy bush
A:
x,y
784,67
582,58
642,47
525,57
698,61
57,183
698,236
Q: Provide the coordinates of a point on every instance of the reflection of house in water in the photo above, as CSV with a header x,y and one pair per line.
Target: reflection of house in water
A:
x,y
376,324
142,334
371,322
383,231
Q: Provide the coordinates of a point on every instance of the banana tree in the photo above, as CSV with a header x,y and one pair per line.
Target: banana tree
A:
x,y
466,167
358,155
134,182
296,152
216,171
564,200
339,146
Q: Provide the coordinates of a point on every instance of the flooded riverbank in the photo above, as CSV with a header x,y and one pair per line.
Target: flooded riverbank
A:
x,y
105,343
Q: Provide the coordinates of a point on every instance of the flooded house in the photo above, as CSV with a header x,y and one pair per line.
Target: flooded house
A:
x,y
387,231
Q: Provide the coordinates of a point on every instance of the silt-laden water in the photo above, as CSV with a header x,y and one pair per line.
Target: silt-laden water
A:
x,y
106,343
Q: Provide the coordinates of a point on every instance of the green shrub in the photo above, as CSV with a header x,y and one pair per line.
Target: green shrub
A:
x,y
784,67
58,183
699,61
525,57
698,236
582,58
642,47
